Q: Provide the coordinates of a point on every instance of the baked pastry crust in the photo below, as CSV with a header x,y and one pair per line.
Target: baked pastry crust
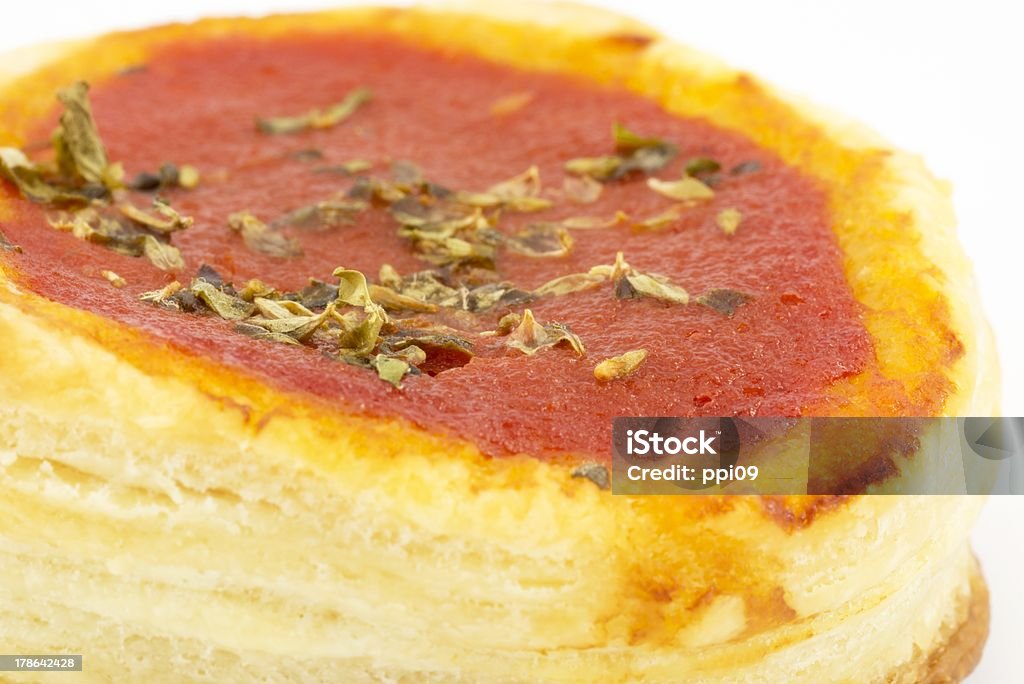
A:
x,y
523,573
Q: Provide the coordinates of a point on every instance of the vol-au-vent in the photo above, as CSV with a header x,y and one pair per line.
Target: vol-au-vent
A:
x,y
315,327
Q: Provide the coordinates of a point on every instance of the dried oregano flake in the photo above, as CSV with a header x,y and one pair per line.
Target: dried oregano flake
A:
x,y
164,219
391,369
164,295
6,245
82,172
521,192
529,336
635,284
723,300
80,151
167,176
324,214
316,118
686,189
582,189
620,366
567,284
729,220
224,305
700,166
595,472
594,222
358,337
511,103
635,153
661,220
164,256
259,237
113,278
541,240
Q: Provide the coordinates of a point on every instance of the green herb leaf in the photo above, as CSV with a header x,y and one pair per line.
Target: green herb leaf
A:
x,y
353,289
6,245
412,355
598,168
686,189
349,168
280,309
646,160
594,222
521,192
166,176
168,221
619,366
635,285
395,301
723,300
729,220
627,142
746,167
316,118
582,189
424,286
80,151
299,327
434,349
164,295
661,220
390,369
188,177
256,288
224,305
530,336
407,174
162,255
358,337
316,295
17,168
700,166
595,472
630,283
479,200
113,278
325,214
259,237
541,240
83,172
567,284
487,296
613,271
88,224
258,333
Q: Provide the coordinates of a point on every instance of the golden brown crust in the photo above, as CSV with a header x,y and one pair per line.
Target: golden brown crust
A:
x,y
961,652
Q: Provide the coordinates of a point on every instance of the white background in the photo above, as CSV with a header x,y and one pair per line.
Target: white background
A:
x,y
941,79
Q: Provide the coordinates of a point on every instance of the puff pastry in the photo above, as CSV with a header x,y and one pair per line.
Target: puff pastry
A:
x,y
182,502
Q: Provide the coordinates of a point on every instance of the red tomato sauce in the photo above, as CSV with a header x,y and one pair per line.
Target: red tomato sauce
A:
x,y
196,104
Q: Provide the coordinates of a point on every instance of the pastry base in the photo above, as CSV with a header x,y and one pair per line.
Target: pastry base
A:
x,y
960,654
950,662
